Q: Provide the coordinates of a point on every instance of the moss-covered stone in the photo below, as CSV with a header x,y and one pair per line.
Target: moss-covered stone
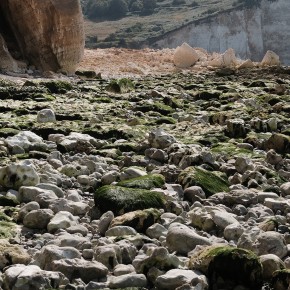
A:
x,y
227,267
121,86
57,87
120,199
6,132
144,182
7,227
210,181
232,150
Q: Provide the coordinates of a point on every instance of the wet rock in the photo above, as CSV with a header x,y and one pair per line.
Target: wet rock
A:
x,y
122,269
270,263
156,231
157,257
109,255
61,220
120,231
38,219
50,253
132,172
79,268
194,193
160,139
264,243
46,116
182,239
127,281
285,188
31,277
177,277
105,221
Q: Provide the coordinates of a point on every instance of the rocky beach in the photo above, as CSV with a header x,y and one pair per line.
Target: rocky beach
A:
x,y
145,176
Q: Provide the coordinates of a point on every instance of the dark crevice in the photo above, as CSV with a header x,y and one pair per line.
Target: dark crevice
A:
x,y
8,35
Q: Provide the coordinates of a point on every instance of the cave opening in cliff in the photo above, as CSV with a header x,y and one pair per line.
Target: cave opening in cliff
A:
x,y
8,35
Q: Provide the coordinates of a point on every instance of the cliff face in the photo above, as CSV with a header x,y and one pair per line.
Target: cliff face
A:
x,y
250,32
49,33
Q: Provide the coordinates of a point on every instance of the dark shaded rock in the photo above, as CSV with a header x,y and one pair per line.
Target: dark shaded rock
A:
x,y
281,280
279,142
227,267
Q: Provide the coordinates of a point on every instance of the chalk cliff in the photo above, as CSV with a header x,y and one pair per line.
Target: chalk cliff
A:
x,y
250,32
48,34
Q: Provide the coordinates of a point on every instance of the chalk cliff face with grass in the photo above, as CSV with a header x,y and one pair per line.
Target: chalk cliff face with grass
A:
x,y
249,31
47,34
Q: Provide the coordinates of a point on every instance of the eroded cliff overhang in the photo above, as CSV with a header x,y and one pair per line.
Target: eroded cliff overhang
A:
x,y
48,34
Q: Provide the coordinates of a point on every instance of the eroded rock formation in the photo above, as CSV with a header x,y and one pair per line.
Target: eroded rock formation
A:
x,y
47,34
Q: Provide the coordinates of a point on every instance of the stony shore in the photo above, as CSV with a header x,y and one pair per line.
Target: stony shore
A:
x,y
174,181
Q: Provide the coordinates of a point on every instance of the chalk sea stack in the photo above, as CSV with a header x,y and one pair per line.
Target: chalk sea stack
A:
x,y
48,34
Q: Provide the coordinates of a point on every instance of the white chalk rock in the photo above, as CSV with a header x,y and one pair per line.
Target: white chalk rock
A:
x,y
185,56
246,64
61,220
229,58
46,116
270,58
23,139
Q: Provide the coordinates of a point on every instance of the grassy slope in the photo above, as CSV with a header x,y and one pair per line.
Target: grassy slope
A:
x,y
137,31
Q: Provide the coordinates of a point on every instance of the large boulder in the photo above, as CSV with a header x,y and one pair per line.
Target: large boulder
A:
x,y
49,34
227,267
185,56
120,199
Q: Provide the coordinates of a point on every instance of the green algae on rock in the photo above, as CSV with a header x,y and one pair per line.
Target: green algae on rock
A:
x,y
228,267
209,181
144,182
7,227
57,87
120,199
121,86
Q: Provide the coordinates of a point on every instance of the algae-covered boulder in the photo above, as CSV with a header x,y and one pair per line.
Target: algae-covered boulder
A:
x,y
210,181
140,220
144,182
120,199
227,267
